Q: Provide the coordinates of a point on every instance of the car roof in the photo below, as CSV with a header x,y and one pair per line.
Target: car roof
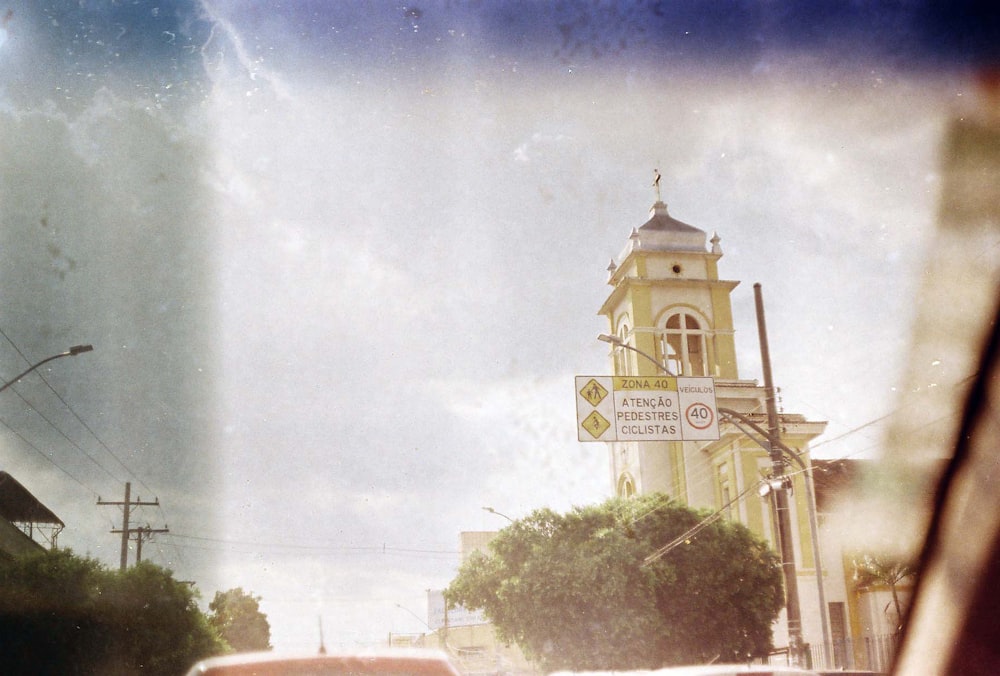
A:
x,y
399,661
702,670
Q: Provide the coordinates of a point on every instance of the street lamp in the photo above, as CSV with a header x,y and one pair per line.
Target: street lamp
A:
x,y
71,352
493,511
422,620
618,342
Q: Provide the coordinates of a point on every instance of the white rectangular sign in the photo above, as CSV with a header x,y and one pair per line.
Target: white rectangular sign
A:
x,y
439,616
646,408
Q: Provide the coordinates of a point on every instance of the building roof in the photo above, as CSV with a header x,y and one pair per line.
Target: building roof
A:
x,y
17,504
661,221
663,232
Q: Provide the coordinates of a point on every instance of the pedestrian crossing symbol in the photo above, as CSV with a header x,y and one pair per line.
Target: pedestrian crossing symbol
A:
x,y
594,393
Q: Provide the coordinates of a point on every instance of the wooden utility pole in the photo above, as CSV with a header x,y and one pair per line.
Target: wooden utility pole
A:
x,y
127,506
143,533
792,610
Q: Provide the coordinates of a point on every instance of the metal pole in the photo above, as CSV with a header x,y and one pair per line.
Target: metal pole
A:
x,y
793,612
127,505
71,352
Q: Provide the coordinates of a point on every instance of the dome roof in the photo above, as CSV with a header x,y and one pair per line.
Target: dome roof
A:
x,y
661,221
662,232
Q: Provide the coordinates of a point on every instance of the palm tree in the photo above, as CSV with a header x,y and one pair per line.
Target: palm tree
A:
x,y
883,571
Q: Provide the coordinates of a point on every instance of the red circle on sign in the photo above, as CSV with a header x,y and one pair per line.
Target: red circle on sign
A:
x,y
699,422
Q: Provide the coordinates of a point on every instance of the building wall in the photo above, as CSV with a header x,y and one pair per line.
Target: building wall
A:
x,y
476,649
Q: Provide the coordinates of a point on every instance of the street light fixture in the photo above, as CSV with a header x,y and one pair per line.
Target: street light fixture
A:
x,y
618,342
71,352
493,511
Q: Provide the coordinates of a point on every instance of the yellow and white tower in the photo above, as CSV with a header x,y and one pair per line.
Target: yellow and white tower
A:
x,y
668,303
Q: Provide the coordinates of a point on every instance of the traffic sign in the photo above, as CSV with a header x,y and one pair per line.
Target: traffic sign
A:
x,y
641,408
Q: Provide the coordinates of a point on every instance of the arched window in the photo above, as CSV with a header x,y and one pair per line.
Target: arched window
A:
x,y
626,486
683,345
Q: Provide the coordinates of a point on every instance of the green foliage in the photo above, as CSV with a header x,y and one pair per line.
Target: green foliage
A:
x,y
885,571
573,591
871,571
65,614
237,617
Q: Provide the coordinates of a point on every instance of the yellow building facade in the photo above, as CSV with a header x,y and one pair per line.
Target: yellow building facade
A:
x,y
667,303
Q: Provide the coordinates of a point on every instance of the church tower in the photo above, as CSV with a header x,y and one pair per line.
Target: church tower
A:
x,y
668,304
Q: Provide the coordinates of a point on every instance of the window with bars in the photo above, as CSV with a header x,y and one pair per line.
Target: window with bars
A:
x,y
683,345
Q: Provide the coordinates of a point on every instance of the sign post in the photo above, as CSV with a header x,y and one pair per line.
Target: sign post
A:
x,y
646,408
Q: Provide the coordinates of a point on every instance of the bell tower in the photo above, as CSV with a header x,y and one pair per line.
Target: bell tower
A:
x,y
667,301
668,304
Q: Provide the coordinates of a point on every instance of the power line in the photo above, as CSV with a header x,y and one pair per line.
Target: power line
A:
x,y
42,453
55,427
96,437
361,549
710,519
51,424
127,504
698,527
78,418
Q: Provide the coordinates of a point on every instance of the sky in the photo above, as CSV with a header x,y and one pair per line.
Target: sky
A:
x,y
340,262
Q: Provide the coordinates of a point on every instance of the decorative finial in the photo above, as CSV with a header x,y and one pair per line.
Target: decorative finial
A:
x,y
656,183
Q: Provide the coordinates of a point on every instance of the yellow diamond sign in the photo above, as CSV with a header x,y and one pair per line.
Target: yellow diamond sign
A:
x,y
593,392
595,424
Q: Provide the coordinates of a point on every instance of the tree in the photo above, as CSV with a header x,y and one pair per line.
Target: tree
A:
x,y
236,615
161,628
881,571
65,614
574,592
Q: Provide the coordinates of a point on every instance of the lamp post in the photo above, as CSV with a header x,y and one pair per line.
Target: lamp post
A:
x,y
71,352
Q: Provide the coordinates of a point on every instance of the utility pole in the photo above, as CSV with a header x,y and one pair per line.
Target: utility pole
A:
x,y
792,611
143,533
127,506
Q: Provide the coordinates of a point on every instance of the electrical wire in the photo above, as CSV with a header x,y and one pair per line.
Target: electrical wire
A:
x,y
42,453
79,419
361,549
